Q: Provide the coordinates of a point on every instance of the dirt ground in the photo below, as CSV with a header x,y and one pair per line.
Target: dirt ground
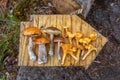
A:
x,y
104,17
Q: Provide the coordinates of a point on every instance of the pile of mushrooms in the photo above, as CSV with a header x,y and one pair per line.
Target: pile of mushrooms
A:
x,y
54,35
31,32
83,43
41,40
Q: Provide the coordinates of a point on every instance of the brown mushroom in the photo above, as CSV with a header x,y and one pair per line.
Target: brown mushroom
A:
x,y
52,31
42,53
68,49
58,39
31,32
90,48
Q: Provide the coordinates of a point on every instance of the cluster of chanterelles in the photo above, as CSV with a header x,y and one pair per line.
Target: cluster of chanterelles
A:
x,y
36,36
82,44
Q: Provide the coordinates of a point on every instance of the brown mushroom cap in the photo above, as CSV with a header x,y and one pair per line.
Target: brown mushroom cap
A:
x,y
31,31
52,30
58,38
41,40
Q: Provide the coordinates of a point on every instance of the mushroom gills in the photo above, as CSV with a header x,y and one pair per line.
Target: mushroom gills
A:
x,y
42,54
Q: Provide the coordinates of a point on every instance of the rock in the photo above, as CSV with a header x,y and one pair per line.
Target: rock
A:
x,y
71,6
117,33
51,73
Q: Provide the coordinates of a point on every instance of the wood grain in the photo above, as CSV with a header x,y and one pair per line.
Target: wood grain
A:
x,y
75,24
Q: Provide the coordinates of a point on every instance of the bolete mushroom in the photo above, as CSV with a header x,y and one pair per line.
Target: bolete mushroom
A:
x,y
42,53
52,31
58,39
68,49
90,48
31,32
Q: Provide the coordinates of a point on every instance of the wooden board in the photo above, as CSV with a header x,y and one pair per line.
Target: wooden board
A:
x,y
75,23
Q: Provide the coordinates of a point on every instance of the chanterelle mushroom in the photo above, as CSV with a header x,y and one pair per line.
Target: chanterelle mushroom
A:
x,y
92,35
52,31
80,50
42,53
77,36
58,39
90,48
69,34
68,49
31,32
85,41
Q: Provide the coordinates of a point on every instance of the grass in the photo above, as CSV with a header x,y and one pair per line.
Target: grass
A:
x,y
3,78
9,35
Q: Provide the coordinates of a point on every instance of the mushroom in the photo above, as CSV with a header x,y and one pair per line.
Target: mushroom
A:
x,y
68,49
31,32
77,36
80,50
52,31
69,34
90,49
42,53
92,35
85,41
58,39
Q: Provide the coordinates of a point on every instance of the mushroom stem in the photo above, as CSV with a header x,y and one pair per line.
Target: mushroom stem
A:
x,y
78,55
58,51
51,45
30,51
90,50
64,56
70,40
82,53
42,54
71,53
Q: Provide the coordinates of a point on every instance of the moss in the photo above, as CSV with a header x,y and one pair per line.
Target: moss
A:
x,y
23,8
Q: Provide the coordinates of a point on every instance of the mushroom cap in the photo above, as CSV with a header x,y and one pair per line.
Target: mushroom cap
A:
x,y
93,36
78,34
80,47
52,30
85,40
31,31
41,40
58,38
89,46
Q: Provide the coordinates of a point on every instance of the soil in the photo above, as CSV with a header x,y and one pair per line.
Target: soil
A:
x,y
104,17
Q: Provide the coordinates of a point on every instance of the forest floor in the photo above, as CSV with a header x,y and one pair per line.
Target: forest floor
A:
x,y
104,16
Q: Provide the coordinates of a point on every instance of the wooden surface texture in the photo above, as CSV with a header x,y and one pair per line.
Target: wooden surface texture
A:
x,y
75,23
